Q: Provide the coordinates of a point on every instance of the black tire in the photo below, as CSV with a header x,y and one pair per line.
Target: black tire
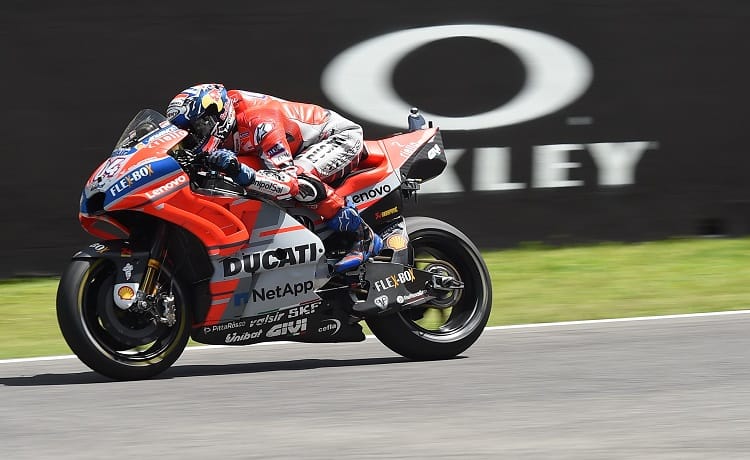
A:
x,y
119,344
409,333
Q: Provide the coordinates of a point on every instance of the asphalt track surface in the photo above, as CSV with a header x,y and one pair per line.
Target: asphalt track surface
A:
x,y
674,388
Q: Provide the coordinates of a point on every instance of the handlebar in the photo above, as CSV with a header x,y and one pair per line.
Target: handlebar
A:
x,y
204,176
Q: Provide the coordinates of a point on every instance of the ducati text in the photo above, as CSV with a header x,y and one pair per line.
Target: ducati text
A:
x,y
269,260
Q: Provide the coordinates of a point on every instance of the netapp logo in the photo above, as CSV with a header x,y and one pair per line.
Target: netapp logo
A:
x,y
270,259
278,292
557,72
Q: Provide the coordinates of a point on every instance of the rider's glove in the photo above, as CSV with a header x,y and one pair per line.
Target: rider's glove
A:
x,y
226,161
245,176
223,160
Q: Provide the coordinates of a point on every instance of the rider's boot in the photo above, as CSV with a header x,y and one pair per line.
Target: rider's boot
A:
x,y
367,244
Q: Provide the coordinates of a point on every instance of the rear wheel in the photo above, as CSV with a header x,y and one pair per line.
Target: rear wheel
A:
x,y
448,325
121,344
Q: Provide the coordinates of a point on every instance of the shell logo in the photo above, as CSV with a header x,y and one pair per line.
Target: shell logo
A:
x,y
396,242
126,293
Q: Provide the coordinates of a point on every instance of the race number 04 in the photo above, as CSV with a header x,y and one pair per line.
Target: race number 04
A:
x,y
359,80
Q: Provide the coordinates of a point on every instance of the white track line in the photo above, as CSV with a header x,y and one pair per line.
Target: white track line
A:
x,y
491,328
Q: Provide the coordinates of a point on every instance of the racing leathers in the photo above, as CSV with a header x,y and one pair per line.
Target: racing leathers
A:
x,y
304,148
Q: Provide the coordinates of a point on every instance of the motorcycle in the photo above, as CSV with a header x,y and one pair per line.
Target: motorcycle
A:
x,y
187,253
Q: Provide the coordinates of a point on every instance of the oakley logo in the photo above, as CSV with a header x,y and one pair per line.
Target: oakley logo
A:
x,y
557,73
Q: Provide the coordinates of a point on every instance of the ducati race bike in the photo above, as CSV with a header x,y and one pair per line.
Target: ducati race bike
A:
x,y
185,252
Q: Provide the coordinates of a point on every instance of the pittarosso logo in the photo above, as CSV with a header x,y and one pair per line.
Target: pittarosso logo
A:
x,y
557,74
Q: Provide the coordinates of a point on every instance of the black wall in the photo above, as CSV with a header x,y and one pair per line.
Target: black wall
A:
x,y
670,74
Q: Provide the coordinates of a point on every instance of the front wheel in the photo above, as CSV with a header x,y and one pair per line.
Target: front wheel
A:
x,y
448,325
121,344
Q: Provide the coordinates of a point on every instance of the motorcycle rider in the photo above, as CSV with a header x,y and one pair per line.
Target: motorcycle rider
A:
x,y
304,148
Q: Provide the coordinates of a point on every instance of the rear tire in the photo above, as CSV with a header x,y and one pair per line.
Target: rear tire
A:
x,y
116,343
445,327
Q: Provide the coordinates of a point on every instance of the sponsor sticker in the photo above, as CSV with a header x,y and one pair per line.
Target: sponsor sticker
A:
x,y
388,212
381,301
395,280
396,242
235,337
126,293
289,289
291,328
433,152
128,270
410,298
131,178
98,247
375,192
270,259
224,326
262,130
177,182
330,326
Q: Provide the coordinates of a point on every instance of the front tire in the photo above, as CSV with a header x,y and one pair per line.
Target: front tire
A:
x,y
116,343
444,327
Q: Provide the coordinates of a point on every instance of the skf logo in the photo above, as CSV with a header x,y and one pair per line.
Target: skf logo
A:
x,y
394,280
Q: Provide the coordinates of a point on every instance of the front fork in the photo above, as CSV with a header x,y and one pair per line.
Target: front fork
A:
x,y
148,299
157,254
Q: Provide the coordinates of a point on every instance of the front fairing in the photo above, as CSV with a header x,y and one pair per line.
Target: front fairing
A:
x,y
134,170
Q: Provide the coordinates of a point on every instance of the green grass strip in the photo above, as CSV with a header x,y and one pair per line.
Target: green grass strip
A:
x,y
531,284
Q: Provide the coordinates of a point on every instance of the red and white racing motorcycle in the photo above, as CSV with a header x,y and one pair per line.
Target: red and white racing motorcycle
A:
x,y
185,252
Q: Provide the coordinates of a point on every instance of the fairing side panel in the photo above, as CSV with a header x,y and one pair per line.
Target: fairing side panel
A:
x,y
281,266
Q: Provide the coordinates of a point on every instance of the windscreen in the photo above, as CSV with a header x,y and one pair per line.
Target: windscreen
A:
x,y
143,124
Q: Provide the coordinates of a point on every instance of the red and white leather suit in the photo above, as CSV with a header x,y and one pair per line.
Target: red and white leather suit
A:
x,y
293,138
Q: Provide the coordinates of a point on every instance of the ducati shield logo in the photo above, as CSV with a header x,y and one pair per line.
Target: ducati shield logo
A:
x,y
557,73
